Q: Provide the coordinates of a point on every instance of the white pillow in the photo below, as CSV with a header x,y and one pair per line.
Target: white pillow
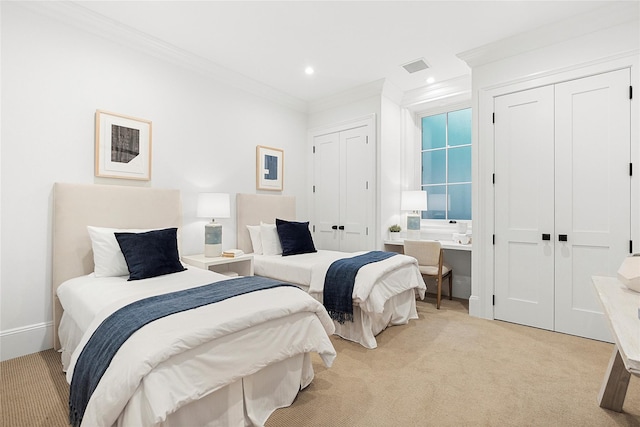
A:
x,y
108,259
256,240
270,240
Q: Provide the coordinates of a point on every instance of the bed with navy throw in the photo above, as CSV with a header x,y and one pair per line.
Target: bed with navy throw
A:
x,y
339,281
118,327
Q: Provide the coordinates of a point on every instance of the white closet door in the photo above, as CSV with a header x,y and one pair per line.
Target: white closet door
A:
x,y
524,164
355,196
592,195
327,171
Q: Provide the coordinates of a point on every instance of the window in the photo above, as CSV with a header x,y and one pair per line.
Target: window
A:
x,y
446,165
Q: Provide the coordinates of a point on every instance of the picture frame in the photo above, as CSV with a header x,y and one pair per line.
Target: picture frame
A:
x,y
123,146
269,168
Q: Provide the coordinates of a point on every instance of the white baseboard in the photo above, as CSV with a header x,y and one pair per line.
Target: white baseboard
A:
x,y
475,308
26,340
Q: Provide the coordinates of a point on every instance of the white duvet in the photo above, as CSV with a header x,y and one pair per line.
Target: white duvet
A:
x,y
383,293
371,289
178,359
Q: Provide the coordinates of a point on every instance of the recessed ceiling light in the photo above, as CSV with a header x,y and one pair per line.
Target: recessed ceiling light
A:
x,y
308,71
430,80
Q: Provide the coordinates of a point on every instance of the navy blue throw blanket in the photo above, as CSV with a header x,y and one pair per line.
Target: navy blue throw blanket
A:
x,y
339,281
119,326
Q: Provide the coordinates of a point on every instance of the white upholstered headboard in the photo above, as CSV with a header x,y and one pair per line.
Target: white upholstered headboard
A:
x,y
77,205
253,208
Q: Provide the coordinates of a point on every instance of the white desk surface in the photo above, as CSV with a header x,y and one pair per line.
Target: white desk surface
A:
x,y
446,244
621,307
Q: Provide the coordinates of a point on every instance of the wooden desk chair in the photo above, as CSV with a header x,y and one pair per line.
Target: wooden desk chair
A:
x,y
431,263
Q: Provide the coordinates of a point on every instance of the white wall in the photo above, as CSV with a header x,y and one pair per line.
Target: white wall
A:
x,y
53,78
587,52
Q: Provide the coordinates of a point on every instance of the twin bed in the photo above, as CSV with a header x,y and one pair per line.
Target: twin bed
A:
x,y
384,292
231,362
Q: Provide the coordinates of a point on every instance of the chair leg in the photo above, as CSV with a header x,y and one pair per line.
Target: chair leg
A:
x,y
439,294
451,284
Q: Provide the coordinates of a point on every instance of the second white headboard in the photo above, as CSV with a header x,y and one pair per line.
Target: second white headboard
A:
x,y
253,208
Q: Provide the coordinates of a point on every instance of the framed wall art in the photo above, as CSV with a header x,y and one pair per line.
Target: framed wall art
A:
x,y
123,146
269,168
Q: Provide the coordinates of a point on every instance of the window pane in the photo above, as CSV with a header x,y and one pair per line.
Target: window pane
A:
x,y
434,131
460,127
460,164
460,201
433,167
436,202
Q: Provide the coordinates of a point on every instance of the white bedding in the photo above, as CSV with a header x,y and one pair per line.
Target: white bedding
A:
x,y
231,340
383,294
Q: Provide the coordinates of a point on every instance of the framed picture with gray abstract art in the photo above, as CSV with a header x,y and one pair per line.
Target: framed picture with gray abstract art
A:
x,y
123,146
269,168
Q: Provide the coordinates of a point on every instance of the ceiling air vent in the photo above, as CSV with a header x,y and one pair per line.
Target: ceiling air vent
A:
x,y
415,66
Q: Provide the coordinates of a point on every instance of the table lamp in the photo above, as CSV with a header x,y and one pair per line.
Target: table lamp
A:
x,y
213,205
415,202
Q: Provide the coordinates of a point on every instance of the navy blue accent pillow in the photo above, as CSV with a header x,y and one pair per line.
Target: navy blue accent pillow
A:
x,y
295,237
150,254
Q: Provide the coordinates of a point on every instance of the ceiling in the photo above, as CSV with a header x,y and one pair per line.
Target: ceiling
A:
x,y
348,43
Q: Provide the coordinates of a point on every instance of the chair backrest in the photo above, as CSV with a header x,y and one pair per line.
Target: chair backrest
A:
x,y
427,252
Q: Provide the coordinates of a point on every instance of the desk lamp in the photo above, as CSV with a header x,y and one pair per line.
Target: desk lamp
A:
x,y
414,201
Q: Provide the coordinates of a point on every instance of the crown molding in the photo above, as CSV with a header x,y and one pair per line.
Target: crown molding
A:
x,y
449,91
74,14
599,19
355,94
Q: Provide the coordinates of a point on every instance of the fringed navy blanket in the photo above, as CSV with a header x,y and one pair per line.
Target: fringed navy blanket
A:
x,y
339,282
119,326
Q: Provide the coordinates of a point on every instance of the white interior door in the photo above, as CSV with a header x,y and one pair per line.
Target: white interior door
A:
x,y
524,197
343,196
326,196
355,194
593,205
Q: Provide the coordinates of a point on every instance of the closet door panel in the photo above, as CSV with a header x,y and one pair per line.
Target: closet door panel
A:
x,y
327,191
355,197
524,277
592,152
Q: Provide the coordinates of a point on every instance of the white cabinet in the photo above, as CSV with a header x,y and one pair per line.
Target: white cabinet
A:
x,y
562,200
343,197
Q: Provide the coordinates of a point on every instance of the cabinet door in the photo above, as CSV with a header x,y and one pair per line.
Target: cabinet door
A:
x,y
593,204
327,191
524,165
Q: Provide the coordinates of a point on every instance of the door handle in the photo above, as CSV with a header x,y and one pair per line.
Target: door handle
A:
x,y
546,236
562,237
334,227
341,227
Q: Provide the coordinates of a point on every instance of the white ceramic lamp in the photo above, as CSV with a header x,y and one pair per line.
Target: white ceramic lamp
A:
x,y
213,205
415,202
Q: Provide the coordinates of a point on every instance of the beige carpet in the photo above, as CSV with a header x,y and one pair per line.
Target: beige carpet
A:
x,y
445,369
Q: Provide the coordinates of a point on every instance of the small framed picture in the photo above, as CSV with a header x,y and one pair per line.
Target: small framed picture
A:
x,y
123,146
269,168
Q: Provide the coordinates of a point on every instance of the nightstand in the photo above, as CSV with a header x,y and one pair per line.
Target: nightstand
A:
x,y
238,266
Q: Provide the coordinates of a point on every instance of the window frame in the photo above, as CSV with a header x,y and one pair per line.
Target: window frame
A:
x,y
430,222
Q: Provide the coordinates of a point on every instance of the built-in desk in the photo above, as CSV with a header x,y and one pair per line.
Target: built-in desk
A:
x,y
458,256
621,307
394,245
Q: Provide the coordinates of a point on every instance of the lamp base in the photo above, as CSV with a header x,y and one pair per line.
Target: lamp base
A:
x,y
212,240
413,226
212,251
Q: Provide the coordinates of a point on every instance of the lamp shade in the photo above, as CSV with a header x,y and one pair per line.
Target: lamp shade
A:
x,y
413,201
213,205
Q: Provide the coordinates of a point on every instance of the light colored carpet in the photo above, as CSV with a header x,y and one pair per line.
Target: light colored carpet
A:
x,y
445,369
